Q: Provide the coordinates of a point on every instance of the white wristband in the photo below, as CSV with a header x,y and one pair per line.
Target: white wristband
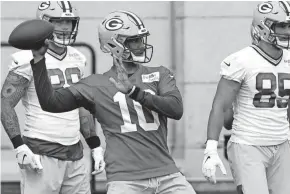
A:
x,y
211,145
97,151
132,90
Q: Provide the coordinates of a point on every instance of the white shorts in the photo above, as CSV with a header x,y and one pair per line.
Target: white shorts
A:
x,y
57,177
260,169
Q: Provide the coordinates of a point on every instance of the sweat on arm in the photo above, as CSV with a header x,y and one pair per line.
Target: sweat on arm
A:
x,y
168,102
50,100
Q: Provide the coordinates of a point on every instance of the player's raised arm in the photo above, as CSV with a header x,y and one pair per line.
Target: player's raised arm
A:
x,y
50,100
60,100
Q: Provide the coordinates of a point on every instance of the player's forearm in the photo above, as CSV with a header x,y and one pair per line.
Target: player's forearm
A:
x,y
87,124
169,105
50,100
215,123
10,123
88,128
12,91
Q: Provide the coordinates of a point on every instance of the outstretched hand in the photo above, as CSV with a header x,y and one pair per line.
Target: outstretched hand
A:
x,y
122,83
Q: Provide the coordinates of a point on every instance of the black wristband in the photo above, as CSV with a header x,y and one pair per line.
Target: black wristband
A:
x,y
17,141
93,142
135,93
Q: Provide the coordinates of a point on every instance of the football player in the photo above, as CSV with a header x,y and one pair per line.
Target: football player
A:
x,y
50,152
257,80
132,103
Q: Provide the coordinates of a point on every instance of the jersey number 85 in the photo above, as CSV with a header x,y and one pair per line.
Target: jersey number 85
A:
x,y
259,102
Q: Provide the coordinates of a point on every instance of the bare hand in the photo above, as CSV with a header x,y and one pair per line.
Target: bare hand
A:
x,y
38,54
122,83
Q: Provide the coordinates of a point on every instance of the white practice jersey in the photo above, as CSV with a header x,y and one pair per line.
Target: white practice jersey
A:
x,y
63,128
260,108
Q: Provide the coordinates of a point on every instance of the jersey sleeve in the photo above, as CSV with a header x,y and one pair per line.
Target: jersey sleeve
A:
x,y
84,93
20,64
233,69
167,81
168,101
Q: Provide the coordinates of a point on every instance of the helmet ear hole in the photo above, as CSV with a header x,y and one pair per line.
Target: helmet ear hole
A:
x,y
261,28
111,45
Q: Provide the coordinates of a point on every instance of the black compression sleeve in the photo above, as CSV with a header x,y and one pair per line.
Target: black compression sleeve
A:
x,y
61,100
169,105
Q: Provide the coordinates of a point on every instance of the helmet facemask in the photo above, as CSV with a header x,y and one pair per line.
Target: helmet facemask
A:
x,y
142,54
268,21
120,49
65,38
281,40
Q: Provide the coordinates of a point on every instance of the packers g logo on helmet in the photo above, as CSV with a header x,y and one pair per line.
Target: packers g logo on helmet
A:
x,y
58,11
265,8
44,5
114,24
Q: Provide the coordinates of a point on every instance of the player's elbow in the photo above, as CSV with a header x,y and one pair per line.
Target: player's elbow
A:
x,y
178,114
177,110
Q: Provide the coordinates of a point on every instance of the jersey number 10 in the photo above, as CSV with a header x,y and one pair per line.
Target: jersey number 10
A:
x,y
282,77
128,125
